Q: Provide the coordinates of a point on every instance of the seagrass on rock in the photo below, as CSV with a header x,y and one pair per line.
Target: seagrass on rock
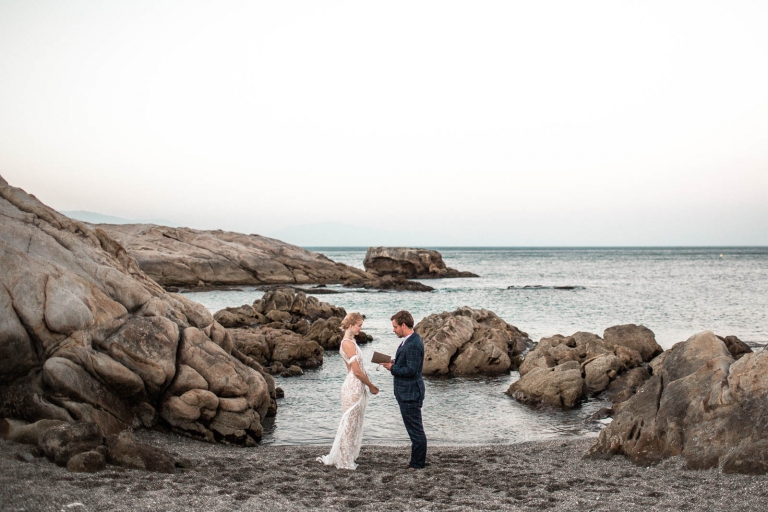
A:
x,y
700,403
470,342
86,335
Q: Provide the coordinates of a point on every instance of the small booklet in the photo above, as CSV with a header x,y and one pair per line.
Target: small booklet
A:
x,y
379,358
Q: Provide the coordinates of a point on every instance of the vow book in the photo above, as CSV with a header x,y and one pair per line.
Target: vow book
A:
x,y
379,358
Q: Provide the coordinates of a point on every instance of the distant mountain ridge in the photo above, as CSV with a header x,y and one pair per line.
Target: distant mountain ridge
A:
x,y
98,218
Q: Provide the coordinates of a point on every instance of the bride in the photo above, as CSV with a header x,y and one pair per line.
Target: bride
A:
x,y
349,437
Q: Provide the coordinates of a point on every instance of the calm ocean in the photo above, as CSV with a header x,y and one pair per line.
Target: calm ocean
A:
x,y
675,292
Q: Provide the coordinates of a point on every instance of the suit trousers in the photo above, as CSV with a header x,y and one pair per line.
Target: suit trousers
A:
x,y
411,413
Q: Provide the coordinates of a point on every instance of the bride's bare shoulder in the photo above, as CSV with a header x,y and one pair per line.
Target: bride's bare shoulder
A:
x,y
349,347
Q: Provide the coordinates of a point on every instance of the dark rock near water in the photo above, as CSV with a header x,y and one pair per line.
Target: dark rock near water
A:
x,y
700,403
409,263
735,346
391,283
292,371
470,342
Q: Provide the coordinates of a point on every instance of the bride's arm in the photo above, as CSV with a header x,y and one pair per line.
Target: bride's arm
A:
x,y
354,365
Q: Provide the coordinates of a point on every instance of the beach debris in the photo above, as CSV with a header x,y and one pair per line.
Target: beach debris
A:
x,y
25,457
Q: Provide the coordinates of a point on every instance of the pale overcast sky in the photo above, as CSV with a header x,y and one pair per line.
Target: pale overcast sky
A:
x,y
473,123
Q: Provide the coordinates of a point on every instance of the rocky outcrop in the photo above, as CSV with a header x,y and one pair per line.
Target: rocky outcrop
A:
x,y
701,404
82,447
190,257
286,327
388,283
550,372
409,263
470,342
277,349
87,336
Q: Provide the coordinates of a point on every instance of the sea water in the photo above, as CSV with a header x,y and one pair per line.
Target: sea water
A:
x,y
675,292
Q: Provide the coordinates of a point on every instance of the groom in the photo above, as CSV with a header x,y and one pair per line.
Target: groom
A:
x,y
409,386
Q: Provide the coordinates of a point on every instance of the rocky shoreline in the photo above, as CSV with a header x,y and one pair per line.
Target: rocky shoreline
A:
x,y
549,475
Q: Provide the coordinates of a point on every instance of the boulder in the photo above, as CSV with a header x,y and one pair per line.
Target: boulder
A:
x,y
626,385
701,404
127,452
409,263
635,337
87,462
735,346
87,336
285,309
62,442
601,360
26,433
470,342
268,346
560,386
599,372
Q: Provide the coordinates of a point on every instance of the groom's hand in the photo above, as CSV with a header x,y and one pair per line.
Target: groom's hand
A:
x,y
387,366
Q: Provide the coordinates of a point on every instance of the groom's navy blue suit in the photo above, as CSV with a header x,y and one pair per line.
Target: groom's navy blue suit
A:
x,y
409,392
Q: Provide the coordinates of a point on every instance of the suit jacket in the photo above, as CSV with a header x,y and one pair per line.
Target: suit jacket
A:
x,y
409,360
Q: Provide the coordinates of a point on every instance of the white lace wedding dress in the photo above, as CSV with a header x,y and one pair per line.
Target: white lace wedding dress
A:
x,y
354,397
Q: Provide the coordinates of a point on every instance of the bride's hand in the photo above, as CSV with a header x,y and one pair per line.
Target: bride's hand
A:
x,y
374,390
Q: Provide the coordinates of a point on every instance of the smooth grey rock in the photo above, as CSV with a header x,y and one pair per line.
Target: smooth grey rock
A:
x,y
409,263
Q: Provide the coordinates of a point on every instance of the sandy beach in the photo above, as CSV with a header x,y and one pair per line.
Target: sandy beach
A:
x,y
529,476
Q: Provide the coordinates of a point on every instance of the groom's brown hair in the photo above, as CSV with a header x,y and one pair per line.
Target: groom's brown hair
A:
x,y
403,317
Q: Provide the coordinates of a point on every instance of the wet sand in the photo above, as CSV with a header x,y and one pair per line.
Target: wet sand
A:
x,y
529,476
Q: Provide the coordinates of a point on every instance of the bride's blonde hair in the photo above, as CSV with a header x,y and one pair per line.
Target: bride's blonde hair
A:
x,y
350,320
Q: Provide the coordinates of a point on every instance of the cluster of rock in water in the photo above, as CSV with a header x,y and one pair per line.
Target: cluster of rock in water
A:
x,y
91,347
286,330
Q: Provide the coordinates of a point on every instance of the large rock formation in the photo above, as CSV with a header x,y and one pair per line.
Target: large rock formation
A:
x,y
191,257
86,335
562,370
470,342
409,263
700,403
285,327
291,310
